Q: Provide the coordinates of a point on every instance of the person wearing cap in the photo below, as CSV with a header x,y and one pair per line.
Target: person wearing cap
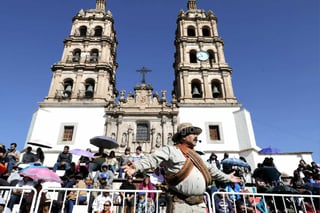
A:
x,y
186,174
105,172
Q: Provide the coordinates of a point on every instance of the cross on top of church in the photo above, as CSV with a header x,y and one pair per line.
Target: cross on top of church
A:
x,y
143,71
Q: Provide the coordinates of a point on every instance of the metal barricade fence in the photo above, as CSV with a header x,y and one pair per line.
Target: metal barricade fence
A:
x,y
264,202
18,199
57,200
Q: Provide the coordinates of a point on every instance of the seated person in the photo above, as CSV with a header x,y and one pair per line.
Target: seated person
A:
x,y
105,172
80,196
221,203
64,159
99,201
99,159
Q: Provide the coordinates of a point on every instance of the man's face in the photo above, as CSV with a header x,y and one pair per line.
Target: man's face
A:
x,y
65,150
190,140
12,147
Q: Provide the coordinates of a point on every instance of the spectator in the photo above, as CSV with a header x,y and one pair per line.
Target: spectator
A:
x,y
100,182
138,155
4,161
234,188
106,173
4,209
80,196
71,171
112,161
64,159
147,185
243,205
99,159
303,166
221,203
107,207
29,156
157,177
17,193
83,164
124,159
13,157
144,204
315,168
40,155
99,201
128,197
213,159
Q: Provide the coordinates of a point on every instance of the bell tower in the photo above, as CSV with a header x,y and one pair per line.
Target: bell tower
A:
x,y
203,87
202,75
83,84
86,71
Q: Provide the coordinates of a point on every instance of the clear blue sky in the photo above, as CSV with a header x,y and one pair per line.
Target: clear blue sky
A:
x,y
272,46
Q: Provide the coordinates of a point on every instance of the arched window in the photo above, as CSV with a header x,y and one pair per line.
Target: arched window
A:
x,y
89,88
76,55
94,55
205,31
216,89
191,31
143,131
83,31
98,31
212,58
196,90
193,56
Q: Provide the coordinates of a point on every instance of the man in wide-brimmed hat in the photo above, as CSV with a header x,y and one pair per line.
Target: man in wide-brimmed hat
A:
x,y
186,174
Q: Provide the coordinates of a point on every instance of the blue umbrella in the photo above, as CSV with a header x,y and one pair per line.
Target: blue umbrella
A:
x,y
104,142
235,162
269,150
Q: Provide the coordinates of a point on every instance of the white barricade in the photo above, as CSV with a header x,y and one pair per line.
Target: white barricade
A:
x,y
87,203
18,199
265,202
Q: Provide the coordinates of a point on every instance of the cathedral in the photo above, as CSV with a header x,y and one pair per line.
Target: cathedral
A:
x,y
83,99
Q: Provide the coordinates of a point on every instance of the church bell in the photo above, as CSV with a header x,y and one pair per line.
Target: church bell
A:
x,y
89,91
67,91
195,92
215,92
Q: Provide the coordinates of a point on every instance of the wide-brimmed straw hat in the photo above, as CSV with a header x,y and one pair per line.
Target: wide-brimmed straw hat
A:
x,y
185,129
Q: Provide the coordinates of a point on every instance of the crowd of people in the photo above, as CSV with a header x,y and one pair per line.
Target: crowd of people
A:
x,y
177,170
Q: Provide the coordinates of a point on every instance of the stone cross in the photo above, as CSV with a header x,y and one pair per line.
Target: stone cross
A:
x,y
143,71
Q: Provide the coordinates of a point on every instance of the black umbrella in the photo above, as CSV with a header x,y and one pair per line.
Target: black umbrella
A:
x,y
39,143
104,142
